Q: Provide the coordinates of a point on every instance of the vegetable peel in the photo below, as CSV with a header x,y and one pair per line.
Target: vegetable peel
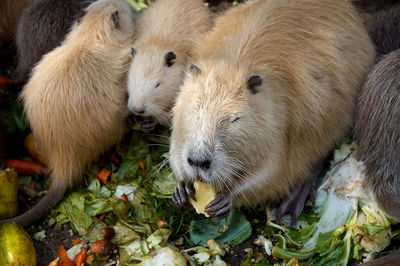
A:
x,y
204,194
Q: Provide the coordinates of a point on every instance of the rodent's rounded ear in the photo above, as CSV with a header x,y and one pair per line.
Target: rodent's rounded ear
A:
x,y
133,52
194,70
115,19
169,58
253,82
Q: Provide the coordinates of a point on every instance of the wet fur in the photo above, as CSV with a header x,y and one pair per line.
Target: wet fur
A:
x,y
10,12
42,28
312,56
166,26
75,99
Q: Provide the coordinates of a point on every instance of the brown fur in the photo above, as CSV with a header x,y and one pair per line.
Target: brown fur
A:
x,y
166,26
10,12
384,29
312,55
378,135
75,99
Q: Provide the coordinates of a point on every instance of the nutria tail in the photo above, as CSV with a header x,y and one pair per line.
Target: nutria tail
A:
x,y
377,131
53,196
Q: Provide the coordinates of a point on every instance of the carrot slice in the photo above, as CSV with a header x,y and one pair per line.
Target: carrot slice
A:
x,y
81,257
24,167
142,165
124,197
103,175
161,223
62,253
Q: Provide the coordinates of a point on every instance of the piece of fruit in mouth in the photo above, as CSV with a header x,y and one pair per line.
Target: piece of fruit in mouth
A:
x,y
204,194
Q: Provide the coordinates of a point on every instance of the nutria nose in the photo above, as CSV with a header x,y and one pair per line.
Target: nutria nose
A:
x,y
137,110
203,164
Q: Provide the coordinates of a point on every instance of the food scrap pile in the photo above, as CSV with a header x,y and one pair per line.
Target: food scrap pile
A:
x,y
124,214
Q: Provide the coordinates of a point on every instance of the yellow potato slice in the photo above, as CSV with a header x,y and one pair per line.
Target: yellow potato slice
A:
x,y
205,193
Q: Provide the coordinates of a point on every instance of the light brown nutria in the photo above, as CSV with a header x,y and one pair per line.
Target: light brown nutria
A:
x,y
75,100
377,132
42,27
10,12
165,35
272,91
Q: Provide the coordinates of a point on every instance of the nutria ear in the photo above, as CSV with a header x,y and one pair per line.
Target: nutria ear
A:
x,y
253,82
133,51
169,58
115,19
194,70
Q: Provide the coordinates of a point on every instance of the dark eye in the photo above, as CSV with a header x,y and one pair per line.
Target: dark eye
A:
x,y
158,84
234,119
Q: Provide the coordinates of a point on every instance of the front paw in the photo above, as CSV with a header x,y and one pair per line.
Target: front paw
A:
x,y
181,193
148,124
220,207
130,121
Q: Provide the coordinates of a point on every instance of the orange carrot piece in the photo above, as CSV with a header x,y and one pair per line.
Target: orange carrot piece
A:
x,y
124,197
142,165
24,167
103,175
161,223
101,247
114,158
81,257
33,185
54,262
102,217
62,253
76,241
4,82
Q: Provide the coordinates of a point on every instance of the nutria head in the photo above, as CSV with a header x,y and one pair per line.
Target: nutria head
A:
x,y
154,79
226,124
106,21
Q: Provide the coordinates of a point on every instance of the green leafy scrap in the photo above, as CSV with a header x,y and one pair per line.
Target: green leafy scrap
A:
x,y
232,230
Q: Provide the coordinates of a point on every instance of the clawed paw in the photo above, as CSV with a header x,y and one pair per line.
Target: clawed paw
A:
x,y
148,124
220,207
182,192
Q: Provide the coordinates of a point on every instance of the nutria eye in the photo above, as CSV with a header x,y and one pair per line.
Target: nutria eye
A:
x,y
253,82
115,18
234,119
169,59
133,51
158,84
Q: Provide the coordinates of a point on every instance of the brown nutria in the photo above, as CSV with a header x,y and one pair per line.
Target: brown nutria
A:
x,y
377,132
272,91
373,5
75,100
10,12
384,29
42,27
165,35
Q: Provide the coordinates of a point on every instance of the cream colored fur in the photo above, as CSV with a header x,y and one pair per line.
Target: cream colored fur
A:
x,y
313,56
75,99
166,26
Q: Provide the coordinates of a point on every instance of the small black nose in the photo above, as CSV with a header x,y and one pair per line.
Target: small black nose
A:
x,y
203,164
137,110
